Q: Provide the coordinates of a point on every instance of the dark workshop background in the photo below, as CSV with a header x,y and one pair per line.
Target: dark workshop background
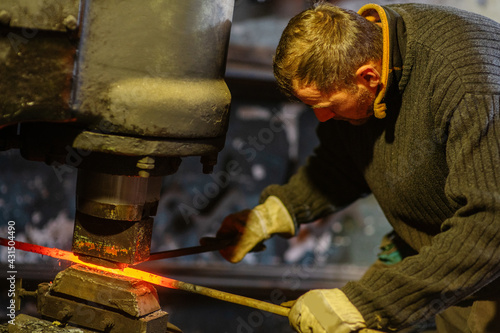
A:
x,y
268,138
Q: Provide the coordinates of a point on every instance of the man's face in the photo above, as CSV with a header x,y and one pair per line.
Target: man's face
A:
x,y
353,105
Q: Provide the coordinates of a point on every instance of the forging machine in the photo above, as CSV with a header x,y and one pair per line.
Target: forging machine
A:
x,y
121,90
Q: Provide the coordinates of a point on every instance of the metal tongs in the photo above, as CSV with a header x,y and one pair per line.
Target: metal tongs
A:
x,y
209,244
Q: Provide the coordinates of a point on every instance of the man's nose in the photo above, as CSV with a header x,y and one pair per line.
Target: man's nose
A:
x,y
323,114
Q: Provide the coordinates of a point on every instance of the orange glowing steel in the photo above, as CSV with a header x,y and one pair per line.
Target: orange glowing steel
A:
x,y
151,278
65,255
105,248
46,251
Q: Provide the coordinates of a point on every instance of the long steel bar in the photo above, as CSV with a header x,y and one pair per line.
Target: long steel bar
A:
x,y
152,278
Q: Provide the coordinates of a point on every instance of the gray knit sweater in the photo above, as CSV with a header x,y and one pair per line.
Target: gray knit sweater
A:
x,y
433,164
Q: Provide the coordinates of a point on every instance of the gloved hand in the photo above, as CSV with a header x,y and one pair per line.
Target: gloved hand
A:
x,y
326,311
252,226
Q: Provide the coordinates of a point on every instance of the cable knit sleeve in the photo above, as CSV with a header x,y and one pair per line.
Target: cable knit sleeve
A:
x,y
327,183
465,256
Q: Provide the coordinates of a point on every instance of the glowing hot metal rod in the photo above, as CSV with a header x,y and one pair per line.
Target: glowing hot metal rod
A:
x,y
153,278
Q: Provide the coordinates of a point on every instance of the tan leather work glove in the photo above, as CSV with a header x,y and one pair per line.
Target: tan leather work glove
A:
x,y
326,311
252,226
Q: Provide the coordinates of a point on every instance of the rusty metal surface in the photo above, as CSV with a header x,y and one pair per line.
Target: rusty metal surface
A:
x,y
100,319
56,15
113,215
28,324
120,241
129,295
160,73
36,71
120,144
148,75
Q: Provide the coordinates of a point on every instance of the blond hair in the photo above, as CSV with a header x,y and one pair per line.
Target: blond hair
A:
x,y
324,46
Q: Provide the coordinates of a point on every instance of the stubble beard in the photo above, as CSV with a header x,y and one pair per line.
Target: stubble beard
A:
x,y
365,105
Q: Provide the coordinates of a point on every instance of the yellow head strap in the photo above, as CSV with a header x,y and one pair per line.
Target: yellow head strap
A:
x,y
375,13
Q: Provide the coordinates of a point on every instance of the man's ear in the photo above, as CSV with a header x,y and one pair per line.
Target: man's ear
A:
x,y
368,76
